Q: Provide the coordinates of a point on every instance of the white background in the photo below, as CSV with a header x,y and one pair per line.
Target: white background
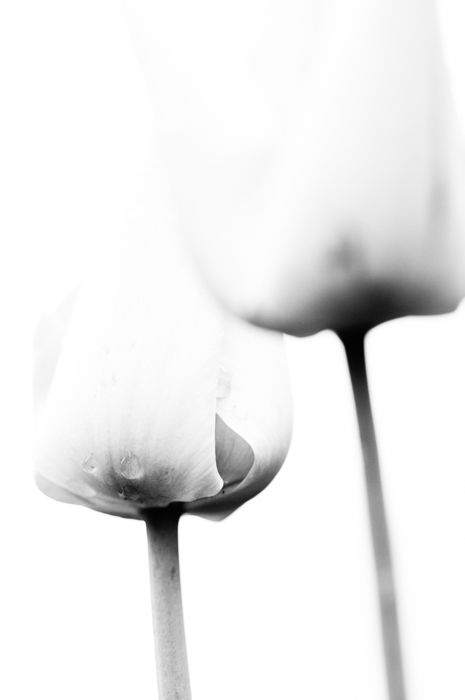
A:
x,y
279,598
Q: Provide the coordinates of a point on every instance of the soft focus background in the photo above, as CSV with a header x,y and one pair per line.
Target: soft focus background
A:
x,y
279,598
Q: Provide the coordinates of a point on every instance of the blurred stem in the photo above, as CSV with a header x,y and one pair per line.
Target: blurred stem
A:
x,y
168,622
355,351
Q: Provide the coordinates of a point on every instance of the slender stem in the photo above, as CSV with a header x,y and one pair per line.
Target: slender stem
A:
x,y
354,347
168,622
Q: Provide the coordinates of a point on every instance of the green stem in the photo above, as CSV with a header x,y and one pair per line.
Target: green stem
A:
x,y
168,622
354,347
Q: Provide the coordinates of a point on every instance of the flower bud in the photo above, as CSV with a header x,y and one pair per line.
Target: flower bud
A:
x,y
319,183
148,394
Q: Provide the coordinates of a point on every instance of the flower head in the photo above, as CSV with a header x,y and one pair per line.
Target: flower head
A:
x,y
148,394
318,181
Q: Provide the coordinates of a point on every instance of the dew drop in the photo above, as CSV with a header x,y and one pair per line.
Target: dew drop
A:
x,y
90,464
130,467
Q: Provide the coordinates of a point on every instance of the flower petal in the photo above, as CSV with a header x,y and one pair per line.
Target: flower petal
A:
x,y
256,404
130,415
234,456
48,341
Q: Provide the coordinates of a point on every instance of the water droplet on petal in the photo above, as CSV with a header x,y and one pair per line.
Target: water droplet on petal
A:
x,y
90,465
223,387
130,467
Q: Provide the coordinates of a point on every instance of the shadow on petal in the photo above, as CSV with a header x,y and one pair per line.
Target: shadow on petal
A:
x,y
234,455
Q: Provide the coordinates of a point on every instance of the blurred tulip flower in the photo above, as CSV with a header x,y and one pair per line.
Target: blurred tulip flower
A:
x,y
152,402
315,163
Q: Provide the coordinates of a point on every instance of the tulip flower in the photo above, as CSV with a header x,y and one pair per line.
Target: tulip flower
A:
x,y
313,154
152,402
333,201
